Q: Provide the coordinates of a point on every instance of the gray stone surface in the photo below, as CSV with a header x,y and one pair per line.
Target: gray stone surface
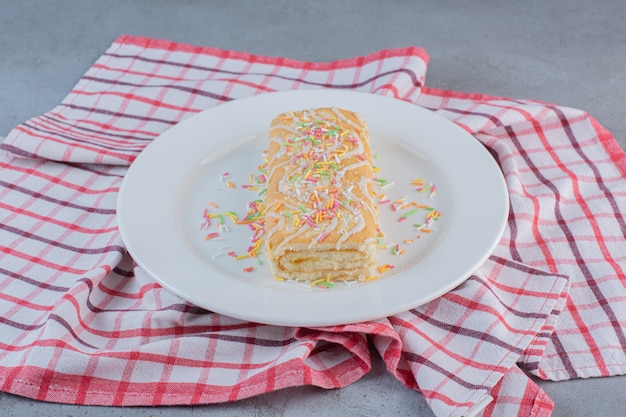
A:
x,y
568,52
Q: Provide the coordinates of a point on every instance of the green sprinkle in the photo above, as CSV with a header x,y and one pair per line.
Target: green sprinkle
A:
x,y
423,190
409,213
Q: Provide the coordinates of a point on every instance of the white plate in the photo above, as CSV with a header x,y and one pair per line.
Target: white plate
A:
x,y
176,177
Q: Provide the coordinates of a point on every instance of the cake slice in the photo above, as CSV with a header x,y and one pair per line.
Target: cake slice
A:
x,y
321,219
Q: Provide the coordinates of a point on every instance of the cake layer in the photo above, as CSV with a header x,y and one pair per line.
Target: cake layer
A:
x,y
321,219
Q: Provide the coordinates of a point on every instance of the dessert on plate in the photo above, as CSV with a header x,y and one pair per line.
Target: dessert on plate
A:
x,y
321,220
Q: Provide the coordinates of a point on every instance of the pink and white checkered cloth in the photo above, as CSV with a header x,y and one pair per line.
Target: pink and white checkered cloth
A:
x,y
81,323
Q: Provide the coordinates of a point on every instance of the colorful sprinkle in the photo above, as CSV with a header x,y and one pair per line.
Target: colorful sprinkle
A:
x,y
408,214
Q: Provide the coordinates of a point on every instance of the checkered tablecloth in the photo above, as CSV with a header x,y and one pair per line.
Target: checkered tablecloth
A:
x,y
81,323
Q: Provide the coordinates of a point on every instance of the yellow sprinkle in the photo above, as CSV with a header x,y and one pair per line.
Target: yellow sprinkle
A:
x,y
232,216
279,278
245,255
317,281
372,278
230,184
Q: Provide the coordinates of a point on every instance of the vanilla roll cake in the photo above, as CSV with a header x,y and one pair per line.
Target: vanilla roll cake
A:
x,y
321,220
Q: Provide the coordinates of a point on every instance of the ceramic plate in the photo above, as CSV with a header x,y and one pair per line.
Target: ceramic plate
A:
x,y
207,161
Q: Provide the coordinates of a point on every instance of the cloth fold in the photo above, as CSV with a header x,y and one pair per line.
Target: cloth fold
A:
x,y
81,323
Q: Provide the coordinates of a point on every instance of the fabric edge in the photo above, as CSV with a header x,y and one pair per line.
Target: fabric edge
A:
x,y
143,41
611,146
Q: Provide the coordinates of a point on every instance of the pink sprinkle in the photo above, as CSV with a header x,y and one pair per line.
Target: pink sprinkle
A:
x,y
248,269
211,236
232,253
322,237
